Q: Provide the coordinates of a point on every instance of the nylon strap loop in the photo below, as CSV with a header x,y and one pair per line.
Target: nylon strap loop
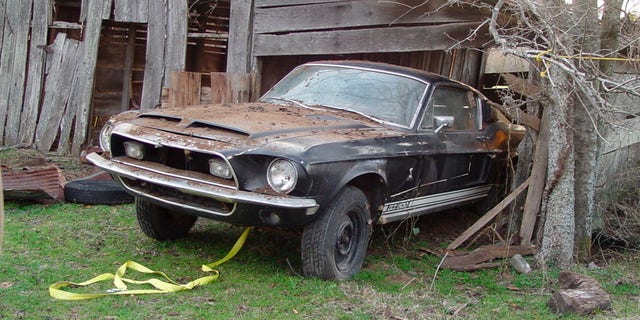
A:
x,y
161,286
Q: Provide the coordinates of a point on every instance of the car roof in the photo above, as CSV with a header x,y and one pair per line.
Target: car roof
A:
x,y
415,73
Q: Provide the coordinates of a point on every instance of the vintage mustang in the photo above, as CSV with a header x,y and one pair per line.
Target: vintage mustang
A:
x,y
333,148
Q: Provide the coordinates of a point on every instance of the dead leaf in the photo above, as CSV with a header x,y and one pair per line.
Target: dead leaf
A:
x,y
5,285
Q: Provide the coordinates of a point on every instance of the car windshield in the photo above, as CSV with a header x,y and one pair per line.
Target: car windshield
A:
x,y
385,97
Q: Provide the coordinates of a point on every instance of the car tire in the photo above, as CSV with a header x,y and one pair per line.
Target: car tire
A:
x,y
334,246
161,223
96,192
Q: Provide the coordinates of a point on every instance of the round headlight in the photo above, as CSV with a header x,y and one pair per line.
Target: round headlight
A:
x,y
282,175
105,136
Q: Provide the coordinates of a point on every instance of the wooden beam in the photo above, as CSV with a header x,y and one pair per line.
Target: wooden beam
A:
x,y
384,39
359,13
539,174
240,37
42,12
19,19
489,215
128,68
154,68
81,100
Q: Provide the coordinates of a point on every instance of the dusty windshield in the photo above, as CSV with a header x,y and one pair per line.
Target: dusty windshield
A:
x,y
381,96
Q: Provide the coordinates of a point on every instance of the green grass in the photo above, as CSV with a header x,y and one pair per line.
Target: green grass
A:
x,y
49,243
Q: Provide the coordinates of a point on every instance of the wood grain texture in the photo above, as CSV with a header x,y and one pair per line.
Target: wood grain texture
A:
x,y
240,35
86,74
154,68
17,22
359,13
387,39
131,10
42,15
176,51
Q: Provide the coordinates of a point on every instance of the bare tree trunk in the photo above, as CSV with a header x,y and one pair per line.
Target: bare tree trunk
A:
x,y
558,240
585,138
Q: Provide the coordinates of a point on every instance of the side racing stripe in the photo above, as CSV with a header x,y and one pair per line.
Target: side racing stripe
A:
x,y
398,210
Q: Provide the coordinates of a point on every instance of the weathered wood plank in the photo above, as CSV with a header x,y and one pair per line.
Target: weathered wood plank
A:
x,y
6,57
175,54
536,190
68,112
231,87
278,3
389,39
19,20
63,64
42,15
489,215
3,5
154,68
86,72
185,88
132,10
128,68
360,13
106,9
239,45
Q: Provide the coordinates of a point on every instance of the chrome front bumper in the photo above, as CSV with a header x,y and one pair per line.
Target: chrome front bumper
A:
x,y
199,188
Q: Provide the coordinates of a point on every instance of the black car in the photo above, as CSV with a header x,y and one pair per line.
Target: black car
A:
x,y
334,148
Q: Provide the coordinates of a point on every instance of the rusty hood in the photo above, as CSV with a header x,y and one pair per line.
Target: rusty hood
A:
x,y
254,125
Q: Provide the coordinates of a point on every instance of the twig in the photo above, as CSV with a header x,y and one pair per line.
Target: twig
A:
x,y
433,281
455,313
291,268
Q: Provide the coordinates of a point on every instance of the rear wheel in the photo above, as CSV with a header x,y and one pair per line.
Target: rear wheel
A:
x,y
161,223
334,246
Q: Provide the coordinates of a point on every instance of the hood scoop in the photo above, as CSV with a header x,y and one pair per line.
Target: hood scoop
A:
x,y
160,116
217,126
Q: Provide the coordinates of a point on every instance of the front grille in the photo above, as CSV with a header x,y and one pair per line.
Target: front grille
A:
x,y
172,157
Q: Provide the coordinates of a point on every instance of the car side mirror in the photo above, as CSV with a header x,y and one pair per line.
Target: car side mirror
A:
x,y
442,122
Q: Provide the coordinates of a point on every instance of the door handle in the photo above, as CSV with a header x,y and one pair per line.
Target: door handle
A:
x,y
483,138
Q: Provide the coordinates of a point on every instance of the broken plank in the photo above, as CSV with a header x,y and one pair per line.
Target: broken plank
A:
x,y
486,253
185,89
42,14
383,39
57,90
231,87
35,183
489,215
335,15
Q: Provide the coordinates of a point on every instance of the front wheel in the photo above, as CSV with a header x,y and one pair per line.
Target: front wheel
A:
x,y
161,223
334,246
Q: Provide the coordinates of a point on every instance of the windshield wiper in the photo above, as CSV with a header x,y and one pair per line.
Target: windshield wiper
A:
x,y
296,102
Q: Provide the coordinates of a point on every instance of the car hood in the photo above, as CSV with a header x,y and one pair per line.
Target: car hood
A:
x,y
252,125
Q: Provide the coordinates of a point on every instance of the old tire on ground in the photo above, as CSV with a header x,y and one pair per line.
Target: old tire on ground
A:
x,y
96,192
160,223
334,246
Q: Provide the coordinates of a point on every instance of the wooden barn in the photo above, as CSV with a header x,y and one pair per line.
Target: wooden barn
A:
x,y
67,65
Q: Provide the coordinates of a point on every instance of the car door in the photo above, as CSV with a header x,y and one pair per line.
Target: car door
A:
x,y
453,116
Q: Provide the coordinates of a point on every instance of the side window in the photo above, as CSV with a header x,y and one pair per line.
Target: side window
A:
x,y
455,102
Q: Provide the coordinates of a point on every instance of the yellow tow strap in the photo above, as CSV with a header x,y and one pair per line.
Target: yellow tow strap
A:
x,y
55,290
